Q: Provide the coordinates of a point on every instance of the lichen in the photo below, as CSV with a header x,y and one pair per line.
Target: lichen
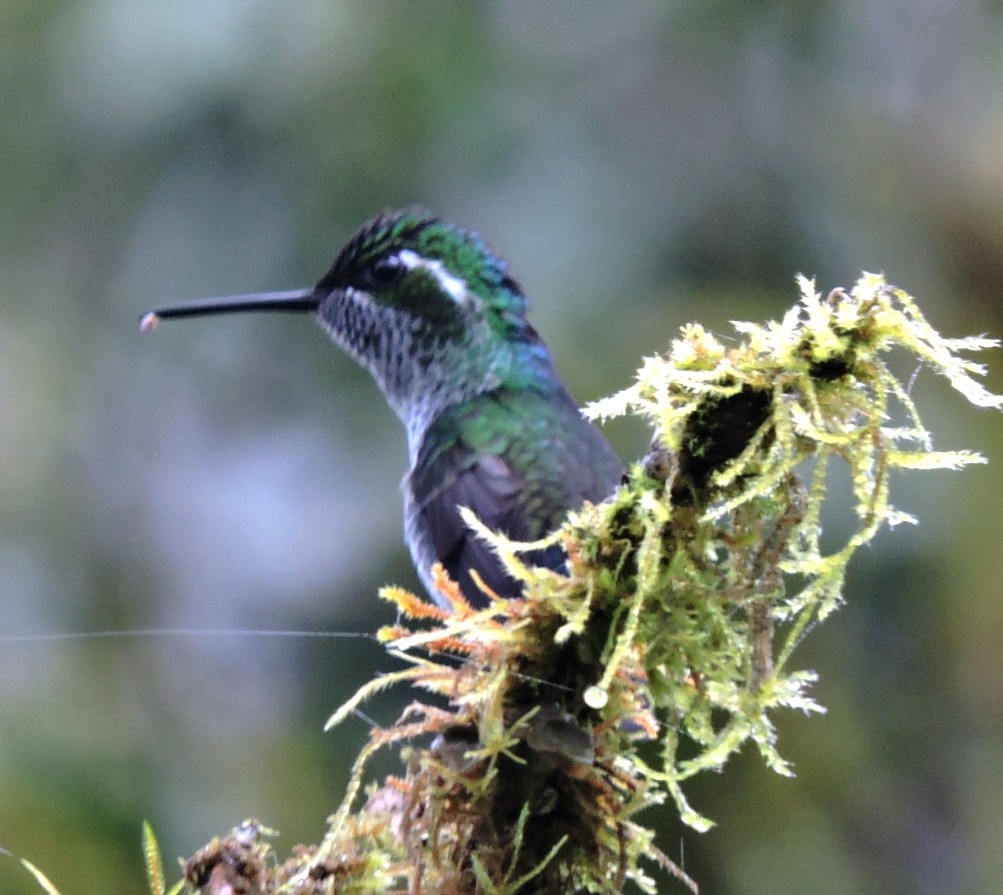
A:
x,y
685,597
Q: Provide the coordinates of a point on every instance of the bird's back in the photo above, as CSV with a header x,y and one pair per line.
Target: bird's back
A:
x,y
520,459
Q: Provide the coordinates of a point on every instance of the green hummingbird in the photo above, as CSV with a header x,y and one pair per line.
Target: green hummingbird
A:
x,y
435,317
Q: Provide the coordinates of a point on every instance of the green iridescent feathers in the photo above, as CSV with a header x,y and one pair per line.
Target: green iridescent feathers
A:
x,y
462,253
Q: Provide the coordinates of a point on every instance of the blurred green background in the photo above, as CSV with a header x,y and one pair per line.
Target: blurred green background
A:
x,y
640,165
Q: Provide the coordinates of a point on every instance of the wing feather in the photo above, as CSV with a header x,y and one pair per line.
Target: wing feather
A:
x,y
520,467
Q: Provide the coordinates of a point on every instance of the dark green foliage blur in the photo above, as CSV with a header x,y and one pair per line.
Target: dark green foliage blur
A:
x,y
640,165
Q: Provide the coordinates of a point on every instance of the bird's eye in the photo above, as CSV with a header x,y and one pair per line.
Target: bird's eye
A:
x,y
387,270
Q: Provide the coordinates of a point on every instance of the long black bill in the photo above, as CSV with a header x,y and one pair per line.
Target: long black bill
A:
x,y
296,301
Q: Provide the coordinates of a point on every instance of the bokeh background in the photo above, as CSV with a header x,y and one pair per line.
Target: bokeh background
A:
x,y
640,165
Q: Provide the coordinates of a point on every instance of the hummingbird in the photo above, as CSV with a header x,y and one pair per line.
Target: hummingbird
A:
x,y
433,314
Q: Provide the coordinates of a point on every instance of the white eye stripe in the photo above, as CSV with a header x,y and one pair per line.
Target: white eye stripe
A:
x,y
451,284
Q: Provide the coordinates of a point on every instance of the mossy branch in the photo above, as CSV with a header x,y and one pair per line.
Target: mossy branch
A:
x,y
686,595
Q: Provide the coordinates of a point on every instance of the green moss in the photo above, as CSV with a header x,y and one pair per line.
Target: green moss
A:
x,y
687,593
